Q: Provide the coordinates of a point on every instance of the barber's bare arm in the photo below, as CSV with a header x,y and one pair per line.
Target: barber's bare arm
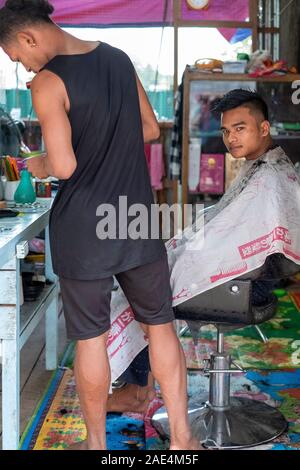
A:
x,y
151,129
49,99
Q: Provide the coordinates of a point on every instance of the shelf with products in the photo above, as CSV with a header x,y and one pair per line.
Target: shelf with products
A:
x,y
207,168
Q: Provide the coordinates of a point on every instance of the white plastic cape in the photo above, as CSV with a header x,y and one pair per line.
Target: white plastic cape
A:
x,y
257,216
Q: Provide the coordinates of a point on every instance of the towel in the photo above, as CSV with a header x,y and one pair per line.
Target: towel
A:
x,y
157,167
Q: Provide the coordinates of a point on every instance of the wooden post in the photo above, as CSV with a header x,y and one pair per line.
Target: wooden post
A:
x,y
176,16
289,32
253,9
185,139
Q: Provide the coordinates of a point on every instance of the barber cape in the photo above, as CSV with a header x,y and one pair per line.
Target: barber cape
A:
x,y
259,215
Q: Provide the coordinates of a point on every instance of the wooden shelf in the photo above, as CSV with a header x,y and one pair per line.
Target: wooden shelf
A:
x,y
166,124
32,312
194,74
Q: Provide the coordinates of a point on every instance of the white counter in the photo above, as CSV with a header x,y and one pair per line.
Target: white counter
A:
x,y
17,323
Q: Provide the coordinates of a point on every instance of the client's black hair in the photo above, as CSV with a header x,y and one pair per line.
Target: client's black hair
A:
x,y
17,14
240,97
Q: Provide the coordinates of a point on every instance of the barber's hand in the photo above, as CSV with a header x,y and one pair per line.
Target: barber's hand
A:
x,y
36,166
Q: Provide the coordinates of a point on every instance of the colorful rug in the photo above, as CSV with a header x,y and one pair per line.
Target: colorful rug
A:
x,y
58,422
64,423
280,389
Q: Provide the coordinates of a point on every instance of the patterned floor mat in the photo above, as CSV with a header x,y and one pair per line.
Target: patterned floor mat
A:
x,y
280,389
58,422
63,424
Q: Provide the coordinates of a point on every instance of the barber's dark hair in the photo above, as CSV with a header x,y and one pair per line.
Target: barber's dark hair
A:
x,y
17,14
239,97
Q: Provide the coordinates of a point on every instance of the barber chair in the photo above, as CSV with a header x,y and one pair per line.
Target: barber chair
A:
x,y
223,421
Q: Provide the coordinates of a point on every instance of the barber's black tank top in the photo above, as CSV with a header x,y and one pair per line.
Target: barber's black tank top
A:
x,y
107,139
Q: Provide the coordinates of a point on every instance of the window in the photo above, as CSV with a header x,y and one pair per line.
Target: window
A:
x,y
152,53
150,49
199,43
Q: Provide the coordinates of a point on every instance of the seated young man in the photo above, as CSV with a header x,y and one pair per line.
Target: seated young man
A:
x,y
260,210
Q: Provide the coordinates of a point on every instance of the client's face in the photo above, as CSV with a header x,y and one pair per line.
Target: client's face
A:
x,y
244,133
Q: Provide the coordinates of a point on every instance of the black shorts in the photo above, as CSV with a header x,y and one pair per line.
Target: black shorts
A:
x,y
87,303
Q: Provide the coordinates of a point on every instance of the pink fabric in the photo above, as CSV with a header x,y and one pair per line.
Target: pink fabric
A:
x,y
157,168
148,156
218,10
109,12
130,12
142,12
228,33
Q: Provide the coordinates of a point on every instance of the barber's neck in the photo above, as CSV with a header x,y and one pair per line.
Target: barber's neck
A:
x,y
262,149
59,42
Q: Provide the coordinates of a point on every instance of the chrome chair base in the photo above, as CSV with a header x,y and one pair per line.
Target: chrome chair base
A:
x,y
245,423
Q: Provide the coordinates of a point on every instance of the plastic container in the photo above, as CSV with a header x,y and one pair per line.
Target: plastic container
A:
x,y
238,66
10,188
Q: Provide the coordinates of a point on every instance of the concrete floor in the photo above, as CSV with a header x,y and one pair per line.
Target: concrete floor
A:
x,y
34,378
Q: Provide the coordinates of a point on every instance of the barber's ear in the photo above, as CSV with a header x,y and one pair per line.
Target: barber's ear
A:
x,y
26,38
266,128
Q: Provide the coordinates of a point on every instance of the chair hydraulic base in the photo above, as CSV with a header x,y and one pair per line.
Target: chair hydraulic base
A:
x,y
227,422
244,423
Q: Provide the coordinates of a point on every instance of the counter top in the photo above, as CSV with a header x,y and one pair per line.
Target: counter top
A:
x,y
23,227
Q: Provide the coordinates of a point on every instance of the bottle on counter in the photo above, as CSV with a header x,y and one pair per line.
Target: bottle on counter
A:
x,y
25,193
